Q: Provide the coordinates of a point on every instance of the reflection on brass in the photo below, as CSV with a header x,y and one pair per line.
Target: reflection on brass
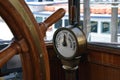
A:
x,y
32,30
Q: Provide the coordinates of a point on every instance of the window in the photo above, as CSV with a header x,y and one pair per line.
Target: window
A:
x,y
81,24
105,27
118,26
94,25
66,22
39,19
58,24
49,0
31,0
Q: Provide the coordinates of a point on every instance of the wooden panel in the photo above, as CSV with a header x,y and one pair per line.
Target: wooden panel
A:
x,y
100,72
104,63
100,63
56,71
103,58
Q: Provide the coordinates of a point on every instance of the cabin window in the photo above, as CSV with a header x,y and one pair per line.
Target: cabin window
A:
x,y
118,26
45,18
94,25
38,0
105,27
99,24
81,24
39,19
29,0
66,22
58,24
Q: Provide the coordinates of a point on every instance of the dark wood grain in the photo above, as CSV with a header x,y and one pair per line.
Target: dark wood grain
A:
x,y
98,63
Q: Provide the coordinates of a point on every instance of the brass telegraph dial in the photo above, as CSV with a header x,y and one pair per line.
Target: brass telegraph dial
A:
x,y
69,42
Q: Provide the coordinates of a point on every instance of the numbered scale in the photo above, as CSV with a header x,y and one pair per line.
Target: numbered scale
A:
x,y
69,42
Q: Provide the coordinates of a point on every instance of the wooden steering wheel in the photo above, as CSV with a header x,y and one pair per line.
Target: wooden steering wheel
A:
x,y
28,39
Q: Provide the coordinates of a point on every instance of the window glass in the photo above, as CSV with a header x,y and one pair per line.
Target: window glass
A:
x,y
49,0
94,25
118,26
39,19
105,27
45,18
66,22
58,24
31,0
101,29
81,24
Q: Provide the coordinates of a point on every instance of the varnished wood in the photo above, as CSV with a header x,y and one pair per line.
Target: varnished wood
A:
x,y
56,70
51,19
100,62
54,17
104,55
8,53
29,39
103,62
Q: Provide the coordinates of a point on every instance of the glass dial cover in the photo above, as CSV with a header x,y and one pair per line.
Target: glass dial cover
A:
x,y
65,43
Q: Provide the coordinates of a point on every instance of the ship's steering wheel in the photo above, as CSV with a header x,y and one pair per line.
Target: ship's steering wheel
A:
x,y
28,39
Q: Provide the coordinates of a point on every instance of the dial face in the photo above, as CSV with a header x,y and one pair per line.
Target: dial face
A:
x,y
65,43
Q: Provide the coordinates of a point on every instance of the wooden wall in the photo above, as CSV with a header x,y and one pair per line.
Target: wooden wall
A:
x,y
104,63
99,63
57,73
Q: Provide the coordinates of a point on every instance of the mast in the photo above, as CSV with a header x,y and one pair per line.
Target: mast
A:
x,y
114,21
74,12
86,21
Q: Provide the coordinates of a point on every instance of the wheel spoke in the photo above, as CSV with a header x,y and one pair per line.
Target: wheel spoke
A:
x,y
8,53
29,40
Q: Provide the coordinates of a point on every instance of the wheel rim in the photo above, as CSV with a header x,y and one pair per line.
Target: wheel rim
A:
x,y
28,41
